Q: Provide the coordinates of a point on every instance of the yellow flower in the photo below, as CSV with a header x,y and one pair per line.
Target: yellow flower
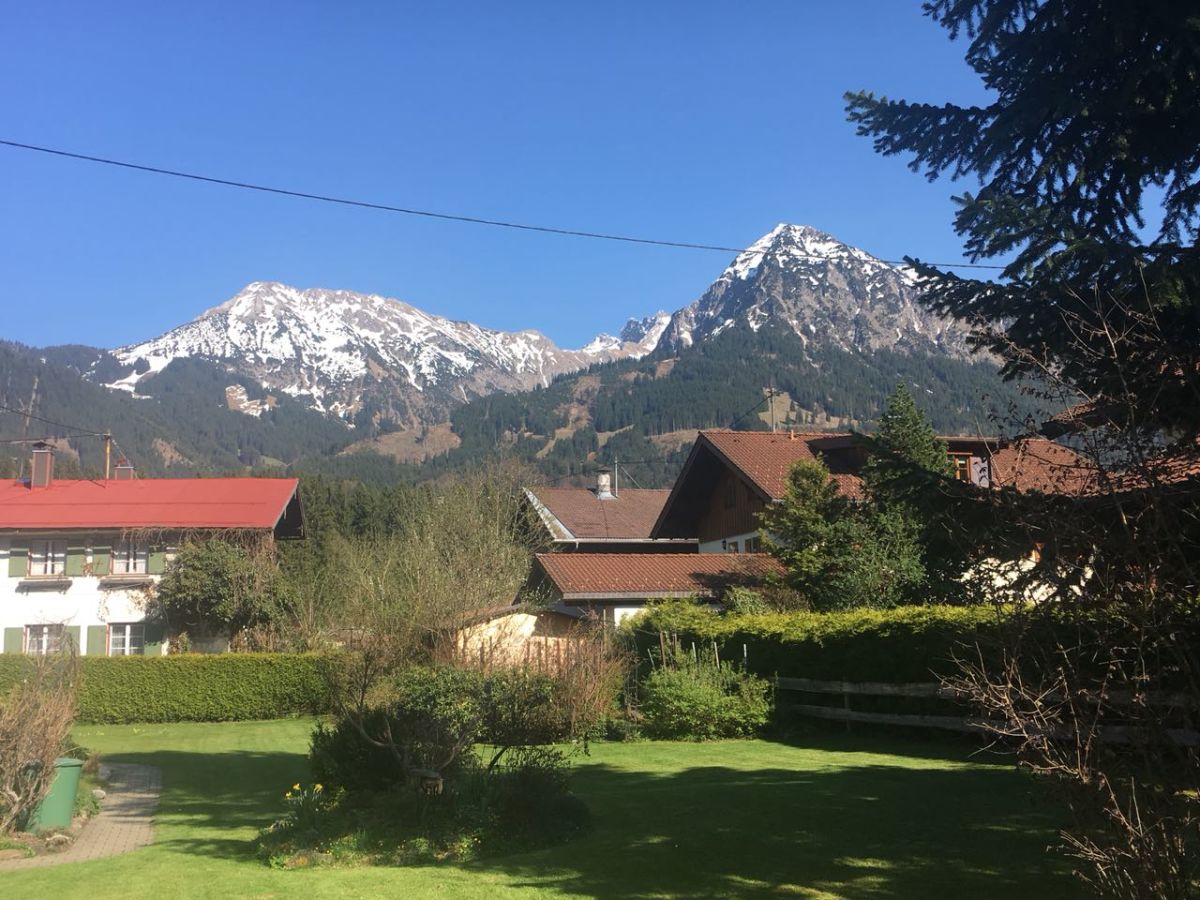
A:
x,y
317,787
295,787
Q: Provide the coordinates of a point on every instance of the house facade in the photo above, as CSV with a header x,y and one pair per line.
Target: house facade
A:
x,y
81,557
730,477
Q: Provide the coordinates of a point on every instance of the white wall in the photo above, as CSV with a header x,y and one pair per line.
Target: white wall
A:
x,y
84,602
715,546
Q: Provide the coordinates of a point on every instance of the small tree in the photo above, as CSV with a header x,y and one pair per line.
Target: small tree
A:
x,y
217,584
840,554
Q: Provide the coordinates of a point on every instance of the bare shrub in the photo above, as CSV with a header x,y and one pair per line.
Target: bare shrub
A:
x,y
35,720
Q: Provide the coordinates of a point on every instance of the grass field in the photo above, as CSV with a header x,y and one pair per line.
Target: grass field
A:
x,y
840,816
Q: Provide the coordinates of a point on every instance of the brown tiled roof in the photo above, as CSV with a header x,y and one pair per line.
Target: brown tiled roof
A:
x,y
1037,464
766,458
599,575
629,516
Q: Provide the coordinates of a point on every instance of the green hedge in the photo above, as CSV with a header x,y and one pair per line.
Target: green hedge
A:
x,y
192,687
906,644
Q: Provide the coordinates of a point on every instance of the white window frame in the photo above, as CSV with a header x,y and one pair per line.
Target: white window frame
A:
x,y
47,559
127,632
44,639
129,557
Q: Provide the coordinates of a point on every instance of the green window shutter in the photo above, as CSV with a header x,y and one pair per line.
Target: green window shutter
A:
x,y
101,559
157,561
14,640
97,640
71,633
18,561
152,646
76,556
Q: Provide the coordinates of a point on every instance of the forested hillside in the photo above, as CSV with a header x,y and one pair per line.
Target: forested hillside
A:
x,y
643,413
178,424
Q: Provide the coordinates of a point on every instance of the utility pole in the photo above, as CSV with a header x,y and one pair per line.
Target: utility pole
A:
x,y
107,454
616,477
771,402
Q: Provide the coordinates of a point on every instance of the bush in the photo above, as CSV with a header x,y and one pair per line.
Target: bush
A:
x,y
905,644
339,755
192,688
704,700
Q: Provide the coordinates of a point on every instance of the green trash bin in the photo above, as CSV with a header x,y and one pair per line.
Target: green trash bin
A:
x,y
58,806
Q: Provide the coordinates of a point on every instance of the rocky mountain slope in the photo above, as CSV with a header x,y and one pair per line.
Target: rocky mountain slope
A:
x,y
369,360
827,292
363,358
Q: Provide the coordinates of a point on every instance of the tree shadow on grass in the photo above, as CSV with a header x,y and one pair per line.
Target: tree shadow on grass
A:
x,y
854,827
213,804
869,831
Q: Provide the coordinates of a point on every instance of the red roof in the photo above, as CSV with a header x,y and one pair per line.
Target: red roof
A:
x,y
147,503
581,576
766,458
629,516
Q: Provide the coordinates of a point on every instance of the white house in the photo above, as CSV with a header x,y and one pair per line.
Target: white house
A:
x,y
80,555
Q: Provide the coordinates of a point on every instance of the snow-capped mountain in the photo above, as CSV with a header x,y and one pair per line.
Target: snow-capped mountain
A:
x,y
363,358
342,352
828,292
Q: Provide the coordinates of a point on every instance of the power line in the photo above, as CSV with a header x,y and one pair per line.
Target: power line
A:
x,y
78,428
429,214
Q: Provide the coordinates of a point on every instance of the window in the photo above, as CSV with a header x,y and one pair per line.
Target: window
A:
x,y
129,558
47,558
43,639
128,639
731,546
754,545
962,466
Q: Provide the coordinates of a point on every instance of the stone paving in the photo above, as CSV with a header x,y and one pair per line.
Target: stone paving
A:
x,y
126,819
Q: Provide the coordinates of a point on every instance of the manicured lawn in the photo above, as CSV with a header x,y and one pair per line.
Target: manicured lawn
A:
x,y
841,816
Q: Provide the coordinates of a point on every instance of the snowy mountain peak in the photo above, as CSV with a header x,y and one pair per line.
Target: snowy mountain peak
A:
x,y
823,289
366,358
345,353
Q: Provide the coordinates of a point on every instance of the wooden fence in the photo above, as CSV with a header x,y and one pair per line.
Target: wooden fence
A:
x,y
1115,734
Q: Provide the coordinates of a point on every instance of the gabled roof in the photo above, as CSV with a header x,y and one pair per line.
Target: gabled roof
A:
x,y
173,503
578,514
765,458
613,576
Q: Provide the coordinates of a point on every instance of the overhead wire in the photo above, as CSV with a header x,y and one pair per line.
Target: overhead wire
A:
x,y
411,211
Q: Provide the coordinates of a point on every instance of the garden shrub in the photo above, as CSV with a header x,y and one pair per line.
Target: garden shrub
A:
x,y
339,755
702,700
904,644
433,720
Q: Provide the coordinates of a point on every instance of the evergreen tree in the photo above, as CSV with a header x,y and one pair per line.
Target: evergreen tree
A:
x,y
1095,104
904,446
840,554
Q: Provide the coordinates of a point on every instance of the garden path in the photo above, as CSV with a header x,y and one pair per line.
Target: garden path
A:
x,y
125,822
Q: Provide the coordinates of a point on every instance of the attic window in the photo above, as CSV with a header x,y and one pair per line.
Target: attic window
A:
x,y
962,466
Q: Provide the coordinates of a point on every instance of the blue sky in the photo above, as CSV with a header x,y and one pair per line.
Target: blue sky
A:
x,y
693,121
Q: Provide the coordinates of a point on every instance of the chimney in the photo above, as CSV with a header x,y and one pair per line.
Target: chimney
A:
x,y
604,485
123,470
43,466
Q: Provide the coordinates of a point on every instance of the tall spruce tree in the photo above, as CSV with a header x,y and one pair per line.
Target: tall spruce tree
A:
x,y
1094,121
1088,158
